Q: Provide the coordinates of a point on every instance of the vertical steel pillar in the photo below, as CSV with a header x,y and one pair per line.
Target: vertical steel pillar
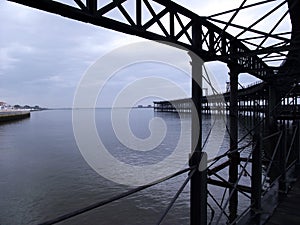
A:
x,y
198,188
297,142
272,126
138,12
272,108
234,157
256,172
91,5
282,159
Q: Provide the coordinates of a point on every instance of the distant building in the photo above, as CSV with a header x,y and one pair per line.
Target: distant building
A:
x,y
2,105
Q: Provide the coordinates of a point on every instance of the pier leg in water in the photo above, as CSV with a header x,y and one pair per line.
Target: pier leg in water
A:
x,y
198,188
256,178
235,156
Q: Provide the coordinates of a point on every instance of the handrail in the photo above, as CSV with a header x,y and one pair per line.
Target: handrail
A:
x,y
271,135
176,196
112,199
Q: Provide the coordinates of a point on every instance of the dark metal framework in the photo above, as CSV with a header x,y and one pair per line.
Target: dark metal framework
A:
x,y
247,51
175,25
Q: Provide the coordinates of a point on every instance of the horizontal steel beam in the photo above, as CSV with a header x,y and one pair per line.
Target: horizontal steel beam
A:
x,y
227,185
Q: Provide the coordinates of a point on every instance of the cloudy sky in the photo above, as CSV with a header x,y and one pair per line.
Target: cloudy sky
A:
x,y
44,56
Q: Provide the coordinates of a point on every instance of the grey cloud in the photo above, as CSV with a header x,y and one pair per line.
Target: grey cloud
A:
x,y
43,56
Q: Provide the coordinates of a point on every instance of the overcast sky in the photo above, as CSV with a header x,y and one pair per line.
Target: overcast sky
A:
x,y
43,56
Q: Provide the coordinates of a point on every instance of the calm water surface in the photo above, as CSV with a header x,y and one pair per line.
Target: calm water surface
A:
x,y
43,175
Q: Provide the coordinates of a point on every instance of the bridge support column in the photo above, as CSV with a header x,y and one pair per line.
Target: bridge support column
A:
x,y
235,156
297,142
272,127
273,101
256,184
198,197
198,187
282,160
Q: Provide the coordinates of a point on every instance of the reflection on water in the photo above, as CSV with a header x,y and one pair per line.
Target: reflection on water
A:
x,y
43,175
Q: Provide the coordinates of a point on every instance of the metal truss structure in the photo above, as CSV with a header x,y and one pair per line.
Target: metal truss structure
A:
x,y
272,56
175,24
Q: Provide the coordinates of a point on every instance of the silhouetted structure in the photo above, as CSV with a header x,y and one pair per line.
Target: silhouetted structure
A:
x,y
275,149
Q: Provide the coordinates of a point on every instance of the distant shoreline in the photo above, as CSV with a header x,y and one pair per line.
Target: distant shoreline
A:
x,y
12,115
100,108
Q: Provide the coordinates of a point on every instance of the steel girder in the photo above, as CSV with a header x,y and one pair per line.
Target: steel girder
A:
x,y
214,43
